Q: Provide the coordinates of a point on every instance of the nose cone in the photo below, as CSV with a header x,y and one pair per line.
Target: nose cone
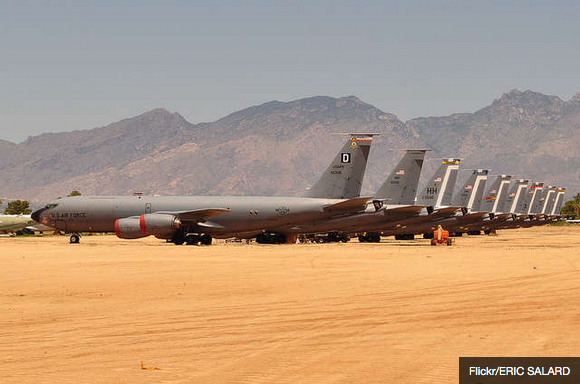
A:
x,y
36,214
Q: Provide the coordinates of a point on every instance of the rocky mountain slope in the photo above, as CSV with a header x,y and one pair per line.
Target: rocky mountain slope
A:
x,y
282,147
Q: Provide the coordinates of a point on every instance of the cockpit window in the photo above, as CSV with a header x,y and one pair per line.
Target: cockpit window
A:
x,y
50,206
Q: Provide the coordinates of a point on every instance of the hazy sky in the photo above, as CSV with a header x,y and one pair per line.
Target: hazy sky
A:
x,y
78,65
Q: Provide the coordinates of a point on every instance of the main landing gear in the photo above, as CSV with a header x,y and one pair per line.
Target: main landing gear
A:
x,y
75,238
370,238
271,238
191,239
405,236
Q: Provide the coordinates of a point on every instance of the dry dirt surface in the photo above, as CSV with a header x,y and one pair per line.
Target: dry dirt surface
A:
x,y
395,312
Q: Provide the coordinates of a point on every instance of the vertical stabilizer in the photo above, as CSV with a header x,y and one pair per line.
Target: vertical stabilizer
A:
x,y
549,195
466,195
560,192
495,193
344,176
439,189
515,195
551,201
401,185
524,202
536,201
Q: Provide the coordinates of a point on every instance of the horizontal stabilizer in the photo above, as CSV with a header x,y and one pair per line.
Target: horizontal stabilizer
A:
x,y
406,209
350,205
198,214
475,215
445,211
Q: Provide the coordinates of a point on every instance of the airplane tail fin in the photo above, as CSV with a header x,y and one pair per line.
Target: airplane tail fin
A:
x,y
536,202
524,204
439,189
559,201
496,192
344,176
472,189
550,200
548,195
515,196
401,186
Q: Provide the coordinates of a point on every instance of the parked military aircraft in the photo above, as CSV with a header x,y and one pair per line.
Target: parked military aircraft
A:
x,y
505,210
394,200
13,223
484,211
18,223
196,219
432,202
444,206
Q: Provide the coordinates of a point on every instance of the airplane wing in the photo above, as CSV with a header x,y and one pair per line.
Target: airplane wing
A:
x,y
198,215
347,206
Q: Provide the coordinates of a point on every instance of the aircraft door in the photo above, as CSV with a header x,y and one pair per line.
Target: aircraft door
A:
x,y
148,208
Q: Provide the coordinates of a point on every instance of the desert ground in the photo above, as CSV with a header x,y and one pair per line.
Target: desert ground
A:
x,y
395,312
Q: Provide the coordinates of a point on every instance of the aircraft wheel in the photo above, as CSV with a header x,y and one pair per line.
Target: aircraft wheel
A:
x,y
178,238
192,239
205,239
278,238
75,239
362,239
345,238
449,242
433,242
487,232
374,237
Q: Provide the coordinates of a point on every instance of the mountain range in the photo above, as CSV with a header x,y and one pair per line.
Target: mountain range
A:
x,y
280,148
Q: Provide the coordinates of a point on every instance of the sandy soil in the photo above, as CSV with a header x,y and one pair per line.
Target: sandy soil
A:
x,y
398,312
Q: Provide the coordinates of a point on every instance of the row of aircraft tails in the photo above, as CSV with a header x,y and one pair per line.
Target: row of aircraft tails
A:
x,y
331,210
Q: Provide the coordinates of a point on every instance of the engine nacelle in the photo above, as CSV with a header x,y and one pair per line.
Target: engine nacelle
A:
x,y
128,228
158,224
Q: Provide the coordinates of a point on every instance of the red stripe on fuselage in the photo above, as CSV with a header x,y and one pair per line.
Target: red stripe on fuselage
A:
x,y
117,232
142,225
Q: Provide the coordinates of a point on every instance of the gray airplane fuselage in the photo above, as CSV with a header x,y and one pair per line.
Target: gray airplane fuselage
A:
x,y
246,213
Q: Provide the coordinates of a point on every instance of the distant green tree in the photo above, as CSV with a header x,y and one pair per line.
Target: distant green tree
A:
x,y
74,193
18,207
572,208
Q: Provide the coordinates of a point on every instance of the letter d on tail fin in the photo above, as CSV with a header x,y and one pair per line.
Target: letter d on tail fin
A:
x,y
344,176
401,186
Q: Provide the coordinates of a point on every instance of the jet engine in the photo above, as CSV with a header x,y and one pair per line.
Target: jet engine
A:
x,y
128,228
158,224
